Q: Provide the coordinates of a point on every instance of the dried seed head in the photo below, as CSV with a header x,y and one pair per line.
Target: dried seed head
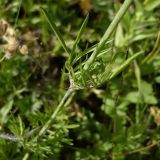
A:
x,y
3,27
6,29
155,112
86,5
13,43
23,49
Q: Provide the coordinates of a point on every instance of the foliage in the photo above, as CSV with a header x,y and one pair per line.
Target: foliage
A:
x,y
88,91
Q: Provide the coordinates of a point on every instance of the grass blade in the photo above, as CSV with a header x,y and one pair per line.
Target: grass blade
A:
x,y
78,37
55,30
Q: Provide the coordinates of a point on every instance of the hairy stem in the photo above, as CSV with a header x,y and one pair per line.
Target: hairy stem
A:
x,y
108,33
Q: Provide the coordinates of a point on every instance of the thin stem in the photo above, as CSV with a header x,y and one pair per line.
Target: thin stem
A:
x,y
108,32
143,148
16,20
154,50
59,107
2,58
138,150
26,156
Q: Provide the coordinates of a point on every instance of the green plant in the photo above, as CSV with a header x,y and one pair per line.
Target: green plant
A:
x,y
84,70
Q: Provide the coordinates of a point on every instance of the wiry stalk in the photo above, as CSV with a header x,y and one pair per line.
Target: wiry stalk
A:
x,y
59,107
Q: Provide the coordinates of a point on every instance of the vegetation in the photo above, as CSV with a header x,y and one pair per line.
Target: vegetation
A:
x,y
79,79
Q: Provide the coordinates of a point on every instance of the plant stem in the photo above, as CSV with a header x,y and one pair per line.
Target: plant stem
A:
x,y
108,32
26,156
59,107
19,8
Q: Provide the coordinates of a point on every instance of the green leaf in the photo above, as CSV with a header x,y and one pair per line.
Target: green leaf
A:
x,y
147,87
143,36
55,30
119,36
151,4
148,94
157,79
91,49
109,107
78,38
125,64
4,111
134,97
